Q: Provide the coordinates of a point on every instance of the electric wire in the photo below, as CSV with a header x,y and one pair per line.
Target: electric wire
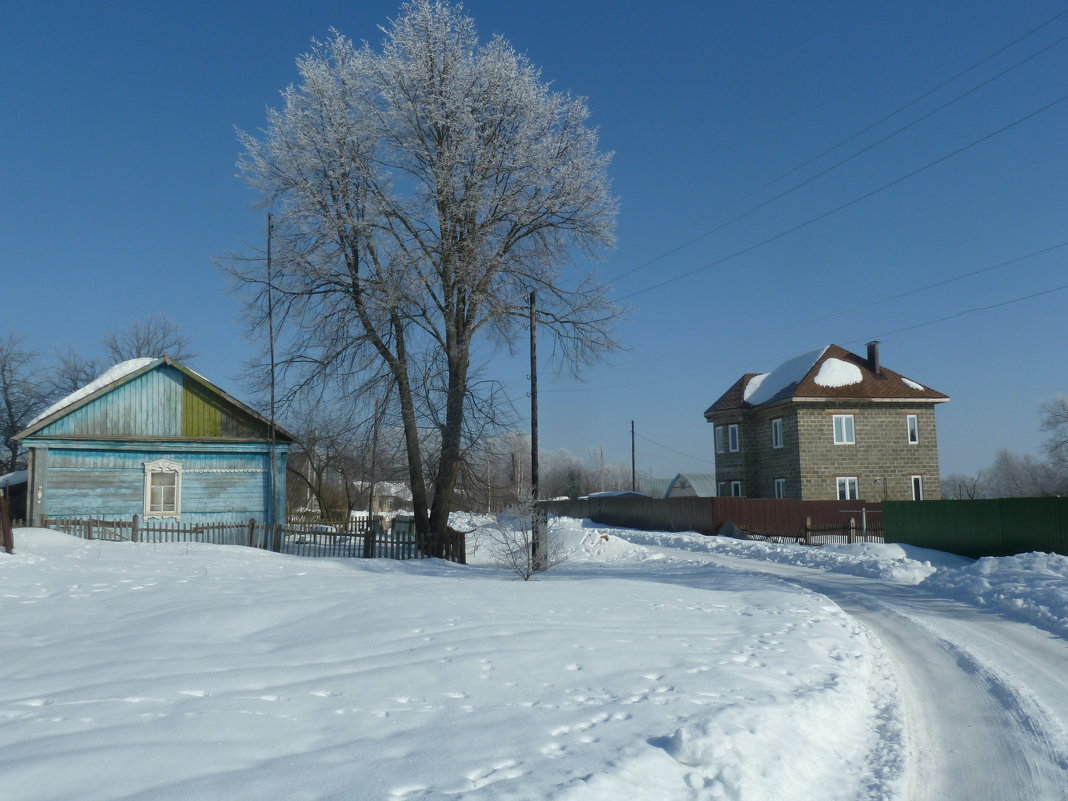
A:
x,y
857,134
847,204
673,450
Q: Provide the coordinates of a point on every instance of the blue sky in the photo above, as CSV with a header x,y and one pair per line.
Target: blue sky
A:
x,y
119,188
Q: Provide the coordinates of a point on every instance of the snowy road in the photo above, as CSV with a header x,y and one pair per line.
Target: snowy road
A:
x,y
985,699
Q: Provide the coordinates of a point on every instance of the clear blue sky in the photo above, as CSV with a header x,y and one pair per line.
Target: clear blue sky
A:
x,y
118,189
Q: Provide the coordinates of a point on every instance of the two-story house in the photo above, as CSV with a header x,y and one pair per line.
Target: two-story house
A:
x,y
827,424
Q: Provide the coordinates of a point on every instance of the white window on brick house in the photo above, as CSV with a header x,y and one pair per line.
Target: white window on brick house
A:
x,y
721,489
720,448
163,488
912,422
732,438
917,488
780,488
843,430
736,489
847,488
776,432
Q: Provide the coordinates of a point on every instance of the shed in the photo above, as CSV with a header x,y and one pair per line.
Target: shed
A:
x,y
691,485
152,437
13,487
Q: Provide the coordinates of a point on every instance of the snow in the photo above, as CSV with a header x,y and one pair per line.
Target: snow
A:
x,y
837,373
913,384
637,669
766,386
18,477
109,376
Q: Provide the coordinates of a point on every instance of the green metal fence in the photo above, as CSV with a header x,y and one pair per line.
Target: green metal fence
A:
x,y
994,527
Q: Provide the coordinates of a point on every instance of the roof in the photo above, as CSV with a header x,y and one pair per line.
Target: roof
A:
x,y
703,484
125,373
653,487
829,373
14,479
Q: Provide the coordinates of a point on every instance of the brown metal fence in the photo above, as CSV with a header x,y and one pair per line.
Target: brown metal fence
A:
x,y
756,517
357,538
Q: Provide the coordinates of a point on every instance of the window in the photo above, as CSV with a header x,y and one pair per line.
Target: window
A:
x,y
721,489
719,439
780,488
843,430
776,432
917,488
736,489
847,488
163,489
913,423
732,437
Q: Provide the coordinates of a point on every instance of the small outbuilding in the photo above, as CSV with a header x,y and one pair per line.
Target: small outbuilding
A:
x,y
692,485
153,438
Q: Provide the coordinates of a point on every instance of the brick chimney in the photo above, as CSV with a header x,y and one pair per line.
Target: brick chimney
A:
x,y
873,357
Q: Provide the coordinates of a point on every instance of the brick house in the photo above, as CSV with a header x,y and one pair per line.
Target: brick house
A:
x,y
827,425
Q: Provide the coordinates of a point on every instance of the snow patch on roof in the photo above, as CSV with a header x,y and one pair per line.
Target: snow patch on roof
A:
x,y
766,386
112,374
913,384
11,479
837,373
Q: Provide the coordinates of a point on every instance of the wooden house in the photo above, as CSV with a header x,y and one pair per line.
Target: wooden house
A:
x,y
153,438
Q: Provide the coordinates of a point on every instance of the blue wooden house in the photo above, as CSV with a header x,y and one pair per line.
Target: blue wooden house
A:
x,y
153,438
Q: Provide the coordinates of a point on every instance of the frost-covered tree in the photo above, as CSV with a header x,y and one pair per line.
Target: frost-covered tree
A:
x,y
22,396
420,192
153,336
1055,422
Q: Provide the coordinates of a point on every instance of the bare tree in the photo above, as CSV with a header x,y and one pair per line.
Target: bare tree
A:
x,y
154,336
510,537
71,371
22,396
420,193
959,487
1055,422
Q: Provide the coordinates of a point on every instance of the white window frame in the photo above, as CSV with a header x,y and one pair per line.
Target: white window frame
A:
x,y
155,468
734,443
736,489
721,489
847,435
912,426
720,447
917,487
851,486
776,432
780,487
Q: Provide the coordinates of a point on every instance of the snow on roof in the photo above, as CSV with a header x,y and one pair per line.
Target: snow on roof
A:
x,y
18,477
766,386
913,384
112,374
837,373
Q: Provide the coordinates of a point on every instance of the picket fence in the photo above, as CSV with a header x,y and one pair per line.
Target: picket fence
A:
x,y
358,538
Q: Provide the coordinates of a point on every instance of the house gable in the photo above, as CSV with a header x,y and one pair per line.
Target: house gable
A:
x,y
159,400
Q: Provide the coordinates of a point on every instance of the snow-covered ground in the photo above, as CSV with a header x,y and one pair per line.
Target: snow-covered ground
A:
x,y
647,666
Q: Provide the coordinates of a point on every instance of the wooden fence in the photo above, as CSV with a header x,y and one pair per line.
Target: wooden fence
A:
x,y
359,538
783,519
7,537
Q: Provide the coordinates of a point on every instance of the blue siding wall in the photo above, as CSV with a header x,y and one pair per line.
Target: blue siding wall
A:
x,y
110,484
148,406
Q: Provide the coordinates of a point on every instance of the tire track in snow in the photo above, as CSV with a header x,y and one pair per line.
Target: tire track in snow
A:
x,y
976,728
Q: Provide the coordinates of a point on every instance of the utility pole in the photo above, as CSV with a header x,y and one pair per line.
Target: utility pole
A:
x,y
537,528
633,473
272,514
600,483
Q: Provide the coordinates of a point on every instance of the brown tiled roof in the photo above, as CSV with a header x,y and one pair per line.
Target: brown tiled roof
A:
x,y
733,397
888,385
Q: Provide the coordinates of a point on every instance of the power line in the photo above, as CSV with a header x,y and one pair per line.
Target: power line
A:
x,y
847,204
843,161
856,135
680,453
972,310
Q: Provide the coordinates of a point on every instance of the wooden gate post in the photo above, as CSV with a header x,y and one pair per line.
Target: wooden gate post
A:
x,y
251,530
7,537
852,530
134,533
808,529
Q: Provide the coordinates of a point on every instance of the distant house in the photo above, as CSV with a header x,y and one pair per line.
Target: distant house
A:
x,y
387,496
827,425
692,485
153,438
